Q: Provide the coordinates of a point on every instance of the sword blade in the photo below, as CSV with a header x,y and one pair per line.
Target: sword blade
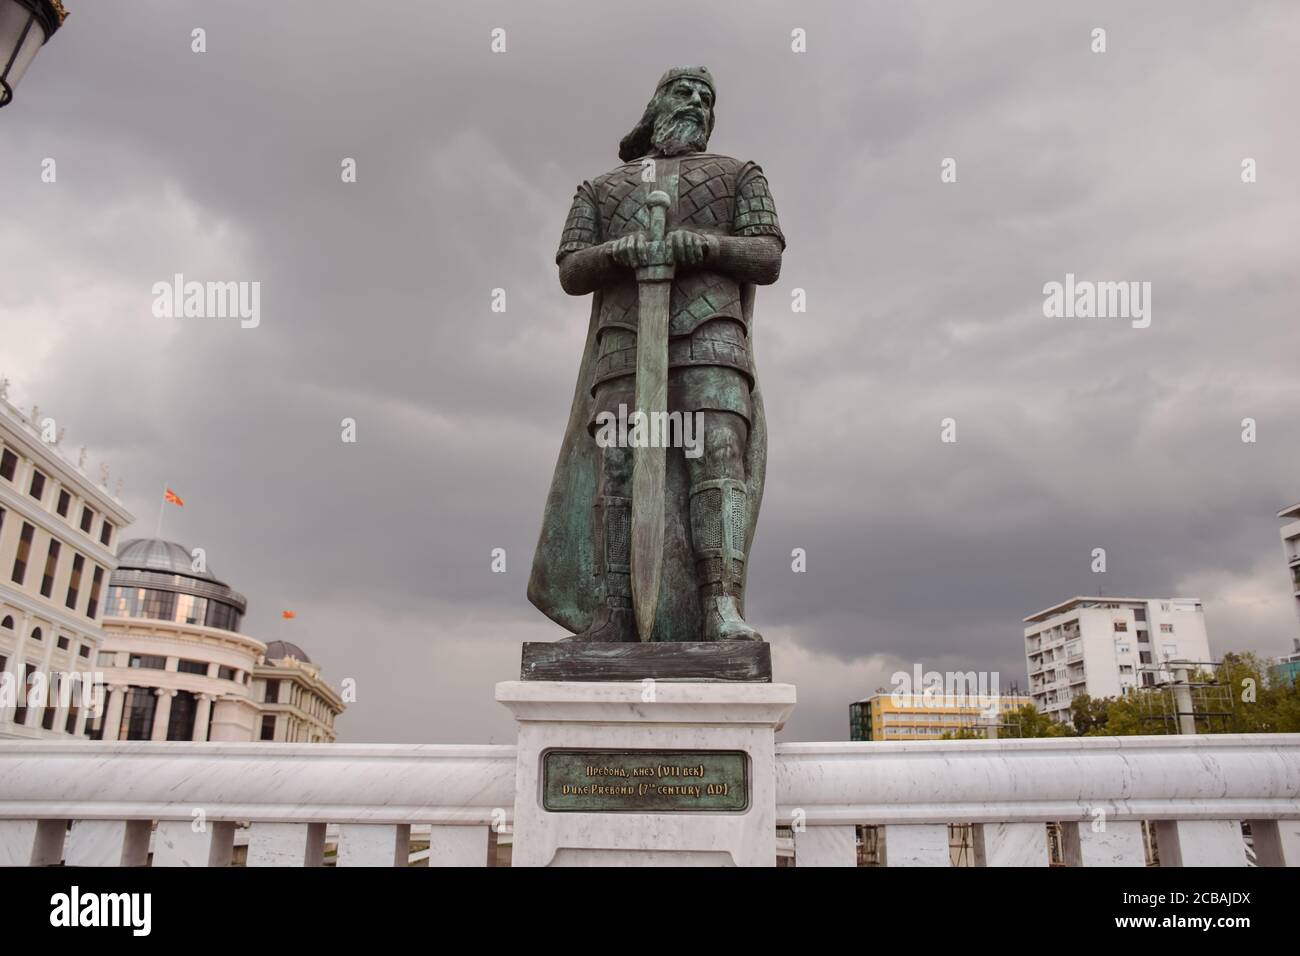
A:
x,y
649,463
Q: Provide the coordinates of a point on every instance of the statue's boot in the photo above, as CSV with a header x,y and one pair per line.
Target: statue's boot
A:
x,y
613,621
719,520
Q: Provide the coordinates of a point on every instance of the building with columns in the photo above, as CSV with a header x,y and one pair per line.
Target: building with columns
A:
x,y
174,663
297,706
176,666
58,531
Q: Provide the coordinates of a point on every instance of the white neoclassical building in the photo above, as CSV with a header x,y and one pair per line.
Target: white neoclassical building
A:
x,y
177,667
58,529
174,662
297,705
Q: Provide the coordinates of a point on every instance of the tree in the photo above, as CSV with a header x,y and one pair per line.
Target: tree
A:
x,y
1028,722
1089,715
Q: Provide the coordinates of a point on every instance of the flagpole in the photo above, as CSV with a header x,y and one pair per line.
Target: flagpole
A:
x,y
161,505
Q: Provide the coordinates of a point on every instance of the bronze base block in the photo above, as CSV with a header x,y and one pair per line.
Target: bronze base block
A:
x,y
704,662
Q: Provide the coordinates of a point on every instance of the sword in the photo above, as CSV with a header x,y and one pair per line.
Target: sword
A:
x,y
654,288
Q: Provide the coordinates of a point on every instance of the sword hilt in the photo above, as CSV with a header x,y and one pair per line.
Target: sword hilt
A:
x,y
657,203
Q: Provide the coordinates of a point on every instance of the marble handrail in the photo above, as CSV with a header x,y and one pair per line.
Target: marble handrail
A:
x,y
1212,776
304,783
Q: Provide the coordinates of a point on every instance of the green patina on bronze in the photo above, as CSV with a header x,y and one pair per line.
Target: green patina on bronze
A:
x,y
645,781
722,240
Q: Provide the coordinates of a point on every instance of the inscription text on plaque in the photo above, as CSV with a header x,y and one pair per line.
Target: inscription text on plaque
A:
x,y
645,781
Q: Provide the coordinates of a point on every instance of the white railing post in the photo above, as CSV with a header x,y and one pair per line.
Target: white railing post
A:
x,y
32,842
1200,843
286,844
1277,842
108,843
458,846
826,846
914,844
177,843
1010,844
368,844
1118,843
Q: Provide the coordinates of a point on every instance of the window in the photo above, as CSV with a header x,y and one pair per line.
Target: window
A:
x,y
84,651
106,659
1121,625
93,605
20,712
37,490
8,464
137,715
70,727
37,635
180,723
1122,648
1139,614
63,643
191,667
152,662
65,499
24,551
4,661
87,516
268,727
7,623
226,673
106,534
1166,629
74,582
1144,657
51,566
272,695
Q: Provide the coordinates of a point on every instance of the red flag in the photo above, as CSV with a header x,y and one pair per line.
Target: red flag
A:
x,y
173,497
288,615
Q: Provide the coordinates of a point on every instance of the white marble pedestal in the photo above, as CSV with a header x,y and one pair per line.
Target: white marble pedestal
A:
x,y
628,715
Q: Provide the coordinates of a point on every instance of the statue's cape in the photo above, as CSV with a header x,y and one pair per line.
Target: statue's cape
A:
x,y
564,579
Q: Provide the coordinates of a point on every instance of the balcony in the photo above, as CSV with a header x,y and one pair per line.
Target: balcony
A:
x,y
184,804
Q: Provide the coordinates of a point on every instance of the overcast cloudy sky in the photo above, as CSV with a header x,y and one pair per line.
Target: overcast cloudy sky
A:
x,y
924,302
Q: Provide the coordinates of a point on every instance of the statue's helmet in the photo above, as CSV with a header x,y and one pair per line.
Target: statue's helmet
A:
x,y
638,142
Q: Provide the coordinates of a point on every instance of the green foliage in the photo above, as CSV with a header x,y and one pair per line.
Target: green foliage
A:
x,y
1028,722
1243,697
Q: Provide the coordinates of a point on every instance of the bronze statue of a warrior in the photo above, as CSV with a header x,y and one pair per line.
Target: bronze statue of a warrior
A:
x,y
643,542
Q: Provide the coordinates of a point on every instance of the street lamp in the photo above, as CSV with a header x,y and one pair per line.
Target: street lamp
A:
x,y
25,25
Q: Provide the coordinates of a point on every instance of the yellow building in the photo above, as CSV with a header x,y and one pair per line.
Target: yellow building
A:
x,y
886,716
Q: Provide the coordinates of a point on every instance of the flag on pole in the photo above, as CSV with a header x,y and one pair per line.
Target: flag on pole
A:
x,y
173,497
288,615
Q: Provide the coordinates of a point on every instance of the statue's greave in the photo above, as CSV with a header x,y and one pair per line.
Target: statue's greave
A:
x,y
719,518
616,543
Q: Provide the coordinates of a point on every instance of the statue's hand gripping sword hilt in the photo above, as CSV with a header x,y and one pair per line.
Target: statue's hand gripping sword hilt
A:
x,y
661,257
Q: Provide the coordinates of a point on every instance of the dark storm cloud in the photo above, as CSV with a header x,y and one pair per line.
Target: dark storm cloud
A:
x,y
924,303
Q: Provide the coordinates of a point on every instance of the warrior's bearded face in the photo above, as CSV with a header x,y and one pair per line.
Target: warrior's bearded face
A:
x,y
684,118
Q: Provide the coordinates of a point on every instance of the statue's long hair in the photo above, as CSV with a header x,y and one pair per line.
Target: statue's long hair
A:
x,y
638,142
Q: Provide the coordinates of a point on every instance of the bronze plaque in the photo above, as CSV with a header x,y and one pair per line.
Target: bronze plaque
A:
x,y
645,781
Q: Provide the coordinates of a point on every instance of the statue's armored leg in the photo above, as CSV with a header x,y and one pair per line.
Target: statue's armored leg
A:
x,y
719,518
613,620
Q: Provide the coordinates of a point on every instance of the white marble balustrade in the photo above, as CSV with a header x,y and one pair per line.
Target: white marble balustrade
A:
x,y
1194,791
179,804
